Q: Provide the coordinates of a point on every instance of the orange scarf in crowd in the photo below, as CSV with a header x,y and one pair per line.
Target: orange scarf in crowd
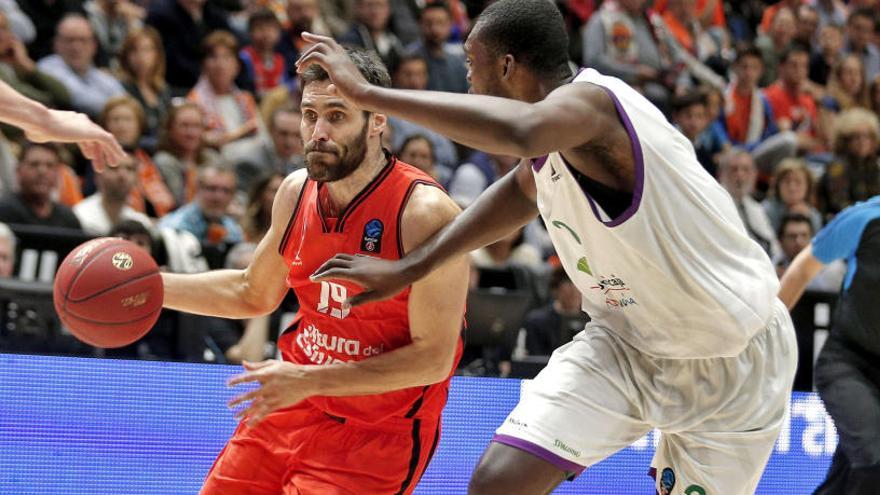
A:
x,y
151,188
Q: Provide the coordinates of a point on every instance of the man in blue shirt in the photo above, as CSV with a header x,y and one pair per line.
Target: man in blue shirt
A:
x,y
206,216
847,373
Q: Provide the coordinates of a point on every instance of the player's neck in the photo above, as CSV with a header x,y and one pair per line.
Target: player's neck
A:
x,y
341,192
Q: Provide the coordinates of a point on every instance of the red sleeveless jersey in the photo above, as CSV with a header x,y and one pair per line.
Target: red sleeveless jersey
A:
x,y
324,331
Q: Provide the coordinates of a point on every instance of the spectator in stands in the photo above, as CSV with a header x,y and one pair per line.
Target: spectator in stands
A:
x,y
231,113
707,45
418,151
476,174
102,210
412,73
827,55
20,24
831,12
847,87
854,174
206,216
793,191
859,29
46,15
7,251
18,70
142,72
737,173
258,213
183,24
619,41
511,250
874,95
807,18
134,231
559,321
281,151
182,150
73,65
793,107
447,70
124,118
795,231
371,31
265,68
37,175
775,42
748,118
690,115
111,21
306,15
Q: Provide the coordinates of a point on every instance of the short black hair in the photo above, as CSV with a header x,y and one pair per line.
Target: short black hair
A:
x,y
793,218
413,138
866,12
436,4
793,49
689,99
748,50
408,56
533,31
262,16
368,65
129,228
53,148
558,277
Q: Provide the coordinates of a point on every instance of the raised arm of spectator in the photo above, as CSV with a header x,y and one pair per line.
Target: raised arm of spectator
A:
x,y
42,124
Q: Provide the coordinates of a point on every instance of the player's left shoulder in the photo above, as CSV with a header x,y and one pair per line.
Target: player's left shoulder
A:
x,y
427,210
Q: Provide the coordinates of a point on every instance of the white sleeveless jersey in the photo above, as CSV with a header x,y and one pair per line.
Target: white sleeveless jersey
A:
x,y
676,275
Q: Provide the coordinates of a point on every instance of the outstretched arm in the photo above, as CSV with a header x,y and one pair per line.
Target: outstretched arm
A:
x,y
502,209
255,291
564,120
41,124
803,269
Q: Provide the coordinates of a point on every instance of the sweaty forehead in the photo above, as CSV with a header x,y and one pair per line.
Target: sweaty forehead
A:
x,y
323,94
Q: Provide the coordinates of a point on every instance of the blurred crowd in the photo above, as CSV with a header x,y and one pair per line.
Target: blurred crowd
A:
x,y
780,100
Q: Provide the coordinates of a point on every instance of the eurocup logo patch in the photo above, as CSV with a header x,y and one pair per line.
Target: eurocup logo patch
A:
x,y
372,241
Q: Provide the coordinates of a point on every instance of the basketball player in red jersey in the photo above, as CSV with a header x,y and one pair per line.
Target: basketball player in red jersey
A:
x,y
354,405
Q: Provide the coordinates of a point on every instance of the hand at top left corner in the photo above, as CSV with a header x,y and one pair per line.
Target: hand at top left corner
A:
x,y
334,59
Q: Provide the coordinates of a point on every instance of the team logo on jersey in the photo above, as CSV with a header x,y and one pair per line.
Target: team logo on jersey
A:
x,y
667,481
617,293
372,241
559,224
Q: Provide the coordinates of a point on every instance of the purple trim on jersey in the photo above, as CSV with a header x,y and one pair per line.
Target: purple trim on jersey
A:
x,y
525,445
537,163
640,168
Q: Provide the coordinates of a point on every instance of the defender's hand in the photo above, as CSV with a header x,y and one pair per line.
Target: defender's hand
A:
x,y
381,279
330,55
96,144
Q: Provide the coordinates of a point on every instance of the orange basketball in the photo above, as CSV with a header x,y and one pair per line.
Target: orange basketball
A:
x,y
108,292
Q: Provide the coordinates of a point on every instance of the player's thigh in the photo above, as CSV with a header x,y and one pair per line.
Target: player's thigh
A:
x,y
248,464
582,407
506,470
848,386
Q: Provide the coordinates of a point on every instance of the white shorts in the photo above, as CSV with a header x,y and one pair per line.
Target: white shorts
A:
x,y
719,417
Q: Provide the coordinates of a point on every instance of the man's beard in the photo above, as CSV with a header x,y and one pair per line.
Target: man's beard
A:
x,y
346,162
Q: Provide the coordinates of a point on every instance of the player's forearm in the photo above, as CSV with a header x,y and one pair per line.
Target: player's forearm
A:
x,y
414,365
21,111
221,293
499,211
487,123
794,281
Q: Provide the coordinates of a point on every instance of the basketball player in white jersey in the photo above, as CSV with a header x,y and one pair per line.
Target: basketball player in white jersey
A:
x,y
687,334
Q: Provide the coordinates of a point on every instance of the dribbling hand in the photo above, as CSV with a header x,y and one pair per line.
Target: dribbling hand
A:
x,y
282,384
332,57
381,279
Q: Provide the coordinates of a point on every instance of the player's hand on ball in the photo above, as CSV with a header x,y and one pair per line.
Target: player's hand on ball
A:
x,y
330,55
380,279
282,384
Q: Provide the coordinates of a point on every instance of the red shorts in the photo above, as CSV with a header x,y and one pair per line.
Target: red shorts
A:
x,y
304,451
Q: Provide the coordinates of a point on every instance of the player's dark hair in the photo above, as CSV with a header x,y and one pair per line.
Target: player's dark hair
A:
x,y
368,65
793,218
793,49
532,31
262,16
689,99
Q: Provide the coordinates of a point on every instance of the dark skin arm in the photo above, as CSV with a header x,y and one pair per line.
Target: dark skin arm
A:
x,y
568,119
